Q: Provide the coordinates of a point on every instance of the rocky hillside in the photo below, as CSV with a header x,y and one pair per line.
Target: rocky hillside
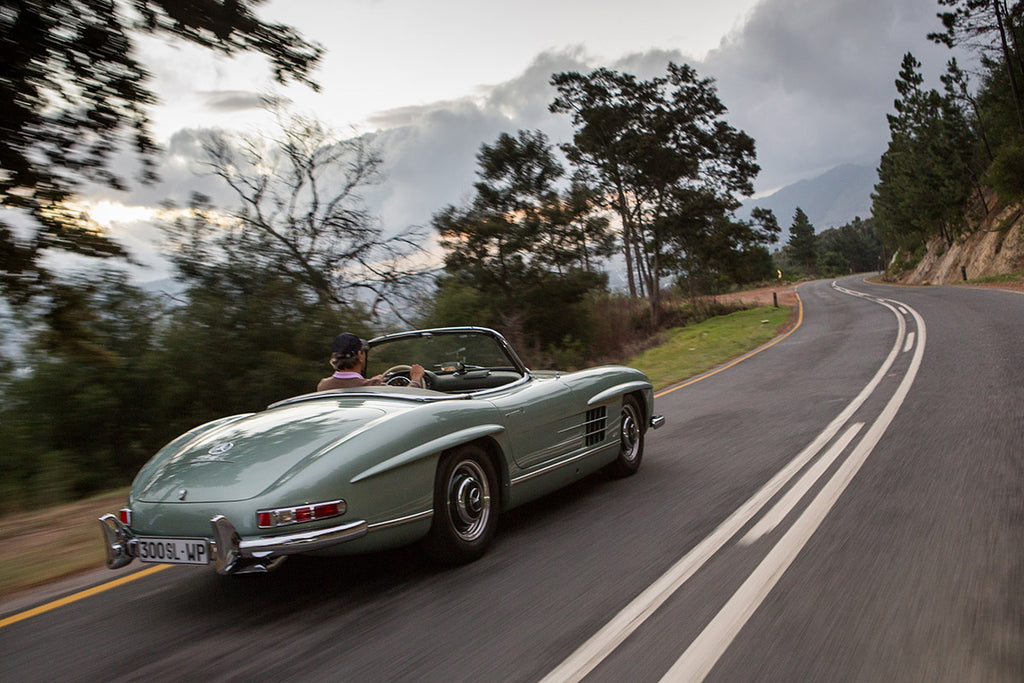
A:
x,y
996,247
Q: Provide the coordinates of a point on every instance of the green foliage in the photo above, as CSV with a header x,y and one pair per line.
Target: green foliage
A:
x,y
803,245
945,148
691,350
668,164
521,257
925,174
80,419
722,260
851,248
1007,173
993,29
240,343
87,411
71,92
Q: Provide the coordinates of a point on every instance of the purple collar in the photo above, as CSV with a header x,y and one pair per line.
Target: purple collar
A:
x,y
347,375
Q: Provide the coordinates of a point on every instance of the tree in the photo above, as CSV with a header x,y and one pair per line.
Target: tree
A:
x,y
521,249
992,27
925,174
850,248
300,219
81,415
72,91
724,256
243,339
803,247
666,163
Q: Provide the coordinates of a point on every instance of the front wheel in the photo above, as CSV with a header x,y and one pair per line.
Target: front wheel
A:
x,y
465,506
631,439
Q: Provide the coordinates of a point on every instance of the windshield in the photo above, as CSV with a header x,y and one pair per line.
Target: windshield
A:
x,y
440,352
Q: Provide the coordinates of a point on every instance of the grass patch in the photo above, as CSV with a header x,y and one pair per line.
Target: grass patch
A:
x,y
691,350
51,543
1004,277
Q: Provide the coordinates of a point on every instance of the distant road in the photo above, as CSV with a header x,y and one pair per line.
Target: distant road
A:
x,y
845,505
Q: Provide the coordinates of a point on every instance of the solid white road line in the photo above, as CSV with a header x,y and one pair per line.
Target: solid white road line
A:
x,y
705,651
779,511
610,636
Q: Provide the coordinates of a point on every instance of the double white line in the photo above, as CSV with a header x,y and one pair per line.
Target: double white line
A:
x,y
704,652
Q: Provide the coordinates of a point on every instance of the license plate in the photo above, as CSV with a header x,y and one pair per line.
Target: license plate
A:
x,y
174,550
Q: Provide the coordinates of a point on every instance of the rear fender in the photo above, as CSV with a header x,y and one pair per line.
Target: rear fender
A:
x,y
429,449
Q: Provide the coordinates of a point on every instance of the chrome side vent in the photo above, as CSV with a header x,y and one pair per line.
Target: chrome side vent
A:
x,y
595,425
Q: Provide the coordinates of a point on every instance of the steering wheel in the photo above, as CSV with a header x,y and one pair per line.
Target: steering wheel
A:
x,y
398,376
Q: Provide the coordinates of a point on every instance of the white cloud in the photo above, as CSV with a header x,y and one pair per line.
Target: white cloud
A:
x,y
810,80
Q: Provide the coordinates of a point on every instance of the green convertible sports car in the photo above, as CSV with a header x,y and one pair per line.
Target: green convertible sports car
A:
x,y
354,470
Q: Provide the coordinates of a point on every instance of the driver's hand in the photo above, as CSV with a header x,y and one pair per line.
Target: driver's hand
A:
x,y
416,372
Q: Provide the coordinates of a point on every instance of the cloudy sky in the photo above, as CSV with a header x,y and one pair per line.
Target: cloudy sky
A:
x,y
810,80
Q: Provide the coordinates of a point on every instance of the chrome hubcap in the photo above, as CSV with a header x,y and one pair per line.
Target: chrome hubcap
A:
x,y
469,499
630,433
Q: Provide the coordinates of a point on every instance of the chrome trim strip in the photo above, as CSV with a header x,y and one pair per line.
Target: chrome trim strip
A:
x,y
233,554
376,526
302,542
361,392
544,470
618,390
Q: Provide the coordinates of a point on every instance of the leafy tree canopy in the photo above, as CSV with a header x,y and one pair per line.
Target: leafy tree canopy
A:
x,y
667,163
523,249
72,90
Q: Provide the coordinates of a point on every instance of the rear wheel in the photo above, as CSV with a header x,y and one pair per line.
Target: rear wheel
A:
x,y
631,439
465,506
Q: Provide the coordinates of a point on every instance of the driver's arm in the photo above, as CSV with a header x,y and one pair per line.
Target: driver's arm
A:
x,y
416,376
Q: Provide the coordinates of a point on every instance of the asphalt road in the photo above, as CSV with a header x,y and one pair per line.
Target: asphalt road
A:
x,y
845,505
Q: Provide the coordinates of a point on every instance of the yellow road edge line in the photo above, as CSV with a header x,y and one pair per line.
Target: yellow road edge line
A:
x,y
799,320
15,618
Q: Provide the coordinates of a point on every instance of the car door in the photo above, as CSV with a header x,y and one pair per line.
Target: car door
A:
x,y
542,421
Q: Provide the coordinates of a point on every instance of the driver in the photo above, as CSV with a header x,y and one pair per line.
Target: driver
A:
x,y
348,358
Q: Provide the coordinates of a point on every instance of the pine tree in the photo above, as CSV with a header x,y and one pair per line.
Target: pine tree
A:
x,y
803,244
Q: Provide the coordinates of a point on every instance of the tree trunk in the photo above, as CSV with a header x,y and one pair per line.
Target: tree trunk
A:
x,y
654,292
627,239
1008,58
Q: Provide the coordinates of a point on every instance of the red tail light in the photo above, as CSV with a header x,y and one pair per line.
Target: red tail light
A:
x,y
125,515
269,519
325,510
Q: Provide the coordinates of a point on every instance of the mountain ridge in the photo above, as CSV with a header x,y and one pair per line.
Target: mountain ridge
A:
x,y
830,200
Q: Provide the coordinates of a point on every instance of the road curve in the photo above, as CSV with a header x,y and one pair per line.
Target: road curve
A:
x,y
845,505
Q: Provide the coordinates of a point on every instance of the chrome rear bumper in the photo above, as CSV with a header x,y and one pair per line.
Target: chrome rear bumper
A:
x,y
234,554
231,553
